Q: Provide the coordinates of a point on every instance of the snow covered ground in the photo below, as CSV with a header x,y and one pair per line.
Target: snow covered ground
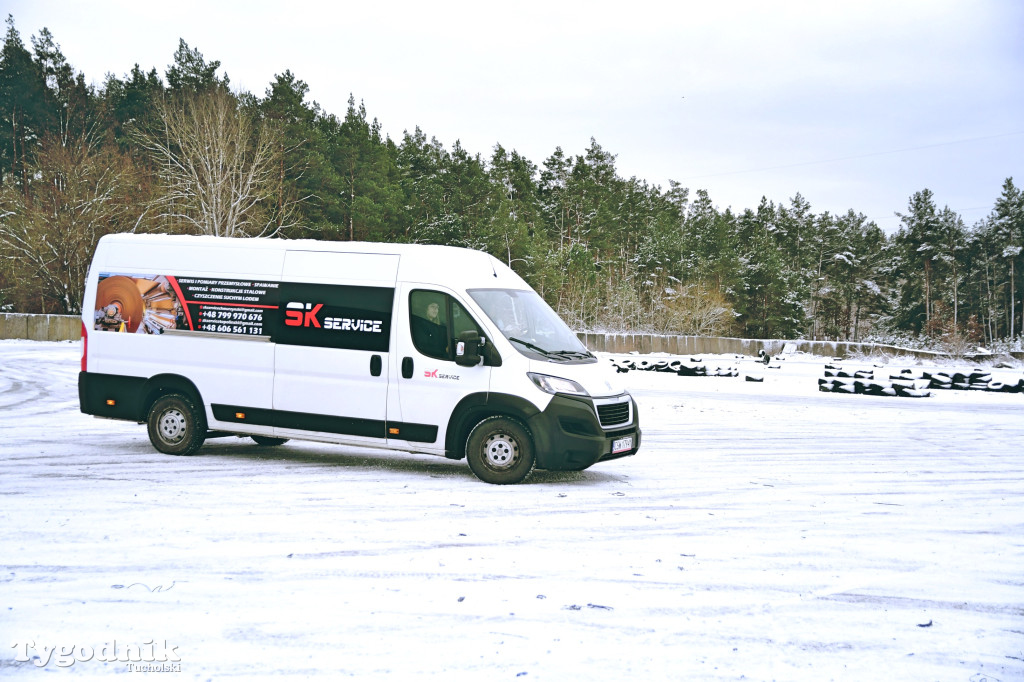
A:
x,y
765,531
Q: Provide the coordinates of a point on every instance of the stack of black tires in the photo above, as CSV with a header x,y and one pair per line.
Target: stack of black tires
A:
x,y
694,368
971,380
838,380
910,383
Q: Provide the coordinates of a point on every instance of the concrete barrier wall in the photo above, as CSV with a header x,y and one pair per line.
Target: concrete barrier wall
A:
x,y
40,327
69,328
698,345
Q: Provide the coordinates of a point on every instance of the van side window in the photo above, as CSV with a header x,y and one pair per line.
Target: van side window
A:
x,y
436,320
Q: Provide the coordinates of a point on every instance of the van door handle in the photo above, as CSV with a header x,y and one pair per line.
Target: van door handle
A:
x,y
375,365
407,368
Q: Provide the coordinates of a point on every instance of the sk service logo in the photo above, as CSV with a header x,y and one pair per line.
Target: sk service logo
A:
x,y
433,374
305,315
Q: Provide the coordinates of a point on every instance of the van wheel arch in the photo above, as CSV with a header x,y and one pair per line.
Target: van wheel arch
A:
x,y
164,384
476,407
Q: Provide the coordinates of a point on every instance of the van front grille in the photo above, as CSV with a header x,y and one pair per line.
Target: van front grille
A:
x,y
613,414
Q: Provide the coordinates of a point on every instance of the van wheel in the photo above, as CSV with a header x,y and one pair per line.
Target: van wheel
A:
x,y
176,425
500,450
268,441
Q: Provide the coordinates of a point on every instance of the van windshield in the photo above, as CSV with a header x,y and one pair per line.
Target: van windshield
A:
x,y
531,325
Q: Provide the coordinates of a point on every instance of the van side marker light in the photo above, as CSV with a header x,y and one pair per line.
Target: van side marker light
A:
x,y
392,431
111,402
239,415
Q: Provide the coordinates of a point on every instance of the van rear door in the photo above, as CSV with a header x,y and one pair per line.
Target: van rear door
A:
x,y
333,342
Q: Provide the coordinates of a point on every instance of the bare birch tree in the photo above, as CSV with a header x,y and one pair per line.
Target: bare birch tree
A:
x,y
217,166
79,192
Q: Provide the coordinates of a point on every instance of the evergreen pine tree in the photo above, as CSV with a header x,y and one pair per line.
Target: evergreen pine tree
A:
x,y
24,114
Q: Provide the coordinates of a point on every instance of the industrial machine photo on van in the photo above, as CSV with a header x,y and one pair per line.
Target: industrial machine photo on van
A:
x,y
426,349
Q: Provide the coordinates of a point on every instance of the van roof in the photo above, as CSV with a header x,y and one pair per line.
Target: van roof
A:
x,y
451,266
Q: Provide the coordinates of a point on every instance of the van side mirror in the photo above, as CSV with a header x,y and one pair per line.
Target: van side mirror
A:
x,y
467,348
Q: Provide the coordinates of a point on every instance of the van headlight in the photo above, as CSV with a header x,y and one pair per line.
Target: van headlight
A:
x,y
550,384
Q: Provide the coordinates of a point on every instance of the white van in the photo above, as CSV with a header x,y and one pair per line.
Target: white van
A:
x,y
429,349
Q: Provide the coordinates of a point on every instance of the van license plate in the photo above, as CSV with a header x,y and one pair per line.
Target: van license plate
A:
x,y
622,444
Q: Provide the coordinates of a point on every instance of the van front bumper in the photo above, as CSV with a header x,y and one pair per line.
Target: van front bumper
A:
x,y
569,437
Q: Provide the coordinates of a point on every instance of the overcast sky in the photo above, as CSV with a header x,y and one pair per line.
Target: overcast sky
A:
x,y
854,104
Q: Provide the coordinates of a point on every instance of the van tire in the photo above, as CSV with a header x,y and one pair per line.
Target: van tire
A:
x,y
500,450
268,441
176,425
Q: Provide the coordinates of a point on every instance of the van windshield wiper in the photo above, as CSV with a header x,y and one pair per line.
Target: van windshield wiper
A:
x,y
552,353
535,347
575,353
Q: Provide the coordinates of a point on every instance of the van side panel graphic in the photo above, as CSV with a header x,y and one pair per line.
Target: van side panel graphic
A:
x,y
152,304
322,315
